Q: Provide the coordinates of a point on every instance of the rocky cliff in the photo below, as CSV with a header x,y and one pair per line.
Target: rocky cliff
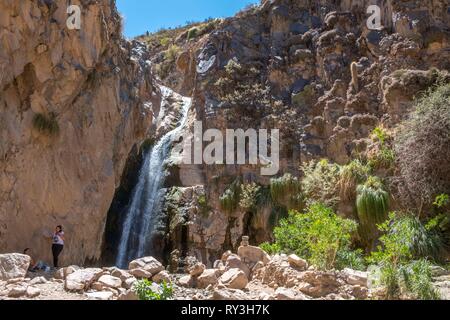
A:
x,y
73,103
312,69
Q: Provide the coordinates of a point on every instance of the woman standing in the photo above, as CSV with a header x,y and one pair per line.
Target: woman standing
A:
x,y
57,244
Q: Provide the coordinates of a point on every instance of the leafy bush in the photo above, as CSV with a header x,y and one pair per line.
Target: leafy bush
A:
x,y
321,182
394,256
192,33
147,290
286,191
418,279
372,204
318,235
46,124
203,205
384,155
353,259
423,149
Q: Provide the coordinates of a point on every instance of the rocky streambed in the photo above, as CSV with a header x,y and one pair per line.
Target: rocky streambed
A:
x,y
251,274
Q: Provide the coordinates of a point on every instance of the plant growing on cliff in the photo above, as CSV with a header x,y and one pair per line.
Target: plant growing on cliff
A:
x,y
46,124
147,290
248,197
286,191
372,204
321,182
351,176
423,148
383,156
318,235
229,200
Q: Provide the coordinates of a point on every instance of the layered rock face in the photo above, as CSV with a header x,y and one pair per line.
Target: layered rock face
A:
x,y
73,103
312,69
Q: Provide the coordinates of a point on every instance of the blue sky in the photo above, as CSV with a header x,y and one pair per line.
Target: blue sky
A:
x,y
151,15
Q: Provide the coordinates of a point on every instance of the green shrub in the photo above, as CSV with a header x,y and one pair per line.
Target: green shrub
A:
x,y
384,158
47,125
321,182
422,146
394,256
353,259
372,204
203,205
192,33
318,235
418,280
270,248
352,174
229,200
286,191
147,290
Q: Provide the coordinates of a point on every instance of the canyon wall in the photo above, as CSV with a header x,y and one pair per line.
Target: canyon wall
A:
x,y
73,103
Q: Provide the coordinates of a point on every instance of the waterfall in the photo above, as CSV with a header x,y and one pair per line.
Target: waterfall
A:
x,y
148,195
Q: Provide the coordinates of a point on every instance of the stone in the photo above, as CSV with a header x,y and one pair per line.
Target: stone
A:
x,y
161,277
209,277
148,264
38,280
82,279
59,274
32,292
122,274
101,295
110,281
186,281
285,294
297,262
13,265
235,262
141,273
252,255
225,255
129,295
234,279
128,283
229,295
17,291
97,286
197,269
354,277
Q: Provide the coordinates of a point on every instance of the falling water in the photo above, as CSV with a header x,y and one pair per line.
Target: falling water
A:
x,y
148,195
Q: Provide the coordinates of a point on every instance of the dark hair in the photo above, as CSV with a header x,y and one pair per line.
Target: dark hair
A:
x,y
60,227
26,250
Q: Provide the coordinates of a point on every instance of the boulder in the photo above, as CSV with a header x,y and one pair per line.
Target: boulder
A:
x,y
38,280
141,273
354,277
289,294
234,262
197,269
102,295
110,281
229,294
17,291
13,265
297,262
148,264
82,279
234,279
252,255
161,277
122,274
186,281
32,292
128,283
129,295
207,278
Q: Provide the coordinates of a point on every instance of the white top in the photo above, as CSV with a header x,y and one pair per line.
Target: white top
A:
x,y
57,238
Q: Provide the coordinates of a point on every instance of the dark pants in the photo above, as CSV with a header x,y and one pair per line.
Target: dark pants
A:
x,y
56,250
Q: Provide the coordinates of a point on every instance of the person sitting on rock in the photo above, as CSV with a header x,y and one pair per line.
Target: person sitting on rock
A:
x,y
35,266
